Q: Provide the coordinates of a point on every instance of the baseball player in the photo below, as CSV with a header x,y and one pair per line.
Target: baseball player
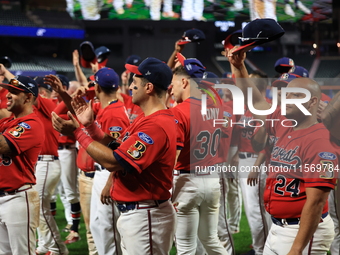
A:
x,y
330,120
142,164
69,174
295,196
197,197
113,120
47,173
192,10
19,148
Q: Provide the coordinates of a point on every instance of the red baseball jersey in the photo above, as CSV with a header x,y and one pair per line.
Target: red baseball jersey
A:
x,y
133,110
26,136
149,149
227,130
3,98
300,159
197,136
62,110
113,119
43,110
245,132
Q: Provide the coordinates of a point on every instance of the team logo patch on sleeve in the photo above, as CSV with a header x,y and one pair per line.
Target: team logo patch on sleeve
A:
x,y
115,135
24,125
17,131
328,169
145,138
327,155
136,150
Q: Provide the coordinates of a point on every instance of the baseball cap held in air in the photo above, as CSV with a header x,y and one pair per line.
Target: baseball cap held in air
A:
x,y
192,35
193,66
259,31
107,78
154,70
23,83
233,39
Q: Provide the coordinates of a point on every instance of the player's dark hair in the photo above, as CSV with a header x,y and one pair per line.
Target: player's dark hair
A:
x,y
108,90
179,70
159,92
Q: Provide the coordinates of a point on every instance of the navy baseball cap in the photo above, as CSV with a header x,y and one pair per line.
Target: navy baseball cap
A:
x,y
299,71
283,65
6,61
259,31
23,83
283,81
40,81
107,78
232,40
102,53
192,35
154,70
192,66
133,60
211,77
64,80
87,54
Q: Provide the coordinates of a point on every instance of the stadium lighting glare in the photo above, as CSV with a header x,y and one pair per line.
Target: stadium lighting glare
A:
x,y
315,45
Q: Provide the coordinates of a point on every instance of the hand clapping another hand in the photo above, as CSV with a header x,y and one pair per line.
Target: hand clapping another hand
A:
x,y
83,110
65,127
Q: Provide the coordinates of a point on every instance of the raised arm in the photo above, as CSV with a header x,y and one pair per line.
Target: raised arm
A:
x,y
178,49
239,69
331,116
80,76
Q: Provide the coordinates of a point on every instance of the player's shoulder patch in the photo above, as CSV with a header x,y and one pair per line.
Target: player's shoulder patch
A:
x,y
327,155
226,114
115,129
24,125
176,121
145,137
16,131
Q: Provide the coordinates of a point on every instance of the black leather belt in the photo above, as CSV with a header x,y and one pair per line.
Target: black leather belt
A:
x,y
47,158
245,155
12,192
291,221
88,174
127,206
66,146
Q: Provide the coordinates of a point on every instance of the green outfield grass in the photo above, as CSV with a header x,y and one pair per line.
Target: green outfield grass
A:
x,y
242,240
139,11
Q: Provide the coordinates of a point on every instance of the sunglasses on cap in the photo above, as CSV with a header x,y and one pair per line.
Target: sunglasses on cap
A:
x,y
18,84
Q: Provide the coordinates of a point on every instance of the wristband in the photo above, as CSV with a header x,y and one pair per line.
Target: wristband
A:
x,y
95,132
83,139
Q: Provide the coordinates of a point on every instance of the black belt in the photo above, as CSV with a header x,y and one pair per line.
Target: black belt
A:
x,y
183,172
291,221
12,192
66,146
88,174
126,206
47,158
245,155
